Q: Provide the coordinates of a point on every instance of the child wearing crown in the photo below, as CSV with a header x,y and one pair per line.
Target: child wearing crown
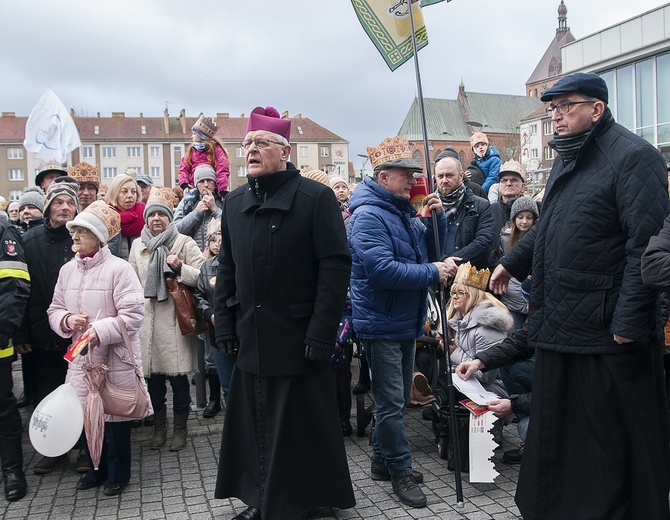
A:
x,y
206,148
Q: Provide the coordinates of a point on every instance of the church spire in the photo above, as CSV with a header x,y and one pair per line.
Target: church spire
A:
x,y
562,18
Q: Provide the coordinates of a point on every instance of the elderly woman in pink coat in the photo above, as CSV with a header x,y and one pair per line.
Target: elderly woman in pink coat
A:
x,y
92,290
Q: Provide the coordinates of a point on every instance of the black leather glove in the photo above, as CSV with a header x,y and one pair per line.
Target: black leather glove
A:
x,y
229,347
317,353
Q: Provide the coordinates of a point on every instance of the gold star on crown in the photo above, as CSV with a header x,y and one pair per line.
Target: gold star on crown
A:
x,y
469,275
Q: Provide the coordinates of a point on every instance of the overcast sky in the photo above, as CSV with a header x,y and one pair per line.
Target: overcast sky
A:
x,y
305,56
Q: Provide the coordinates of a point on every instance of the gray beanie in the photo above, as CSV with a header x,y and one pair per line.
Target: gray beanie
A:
x,y
32,196
524,204
62,186
202,172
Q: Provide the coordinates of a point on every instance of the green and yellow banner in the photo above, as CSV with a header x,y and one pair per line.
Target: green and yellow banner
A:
x,y
387,24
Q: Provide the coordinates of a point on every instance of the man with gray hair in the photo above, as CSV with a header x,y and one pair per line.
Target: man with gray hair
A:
x,y
281,283
598,442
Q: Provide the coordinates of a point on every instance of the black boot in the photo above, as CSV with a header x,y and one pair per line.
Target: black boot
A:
x,y
12,469
214,405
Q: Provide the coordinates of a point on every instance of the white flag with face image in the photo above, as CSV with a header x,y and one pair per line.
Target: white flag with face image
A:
x,y
50,129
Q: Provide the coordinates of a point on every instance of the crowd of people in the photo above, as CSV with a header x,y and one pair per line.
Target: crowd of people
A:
x,y
287,268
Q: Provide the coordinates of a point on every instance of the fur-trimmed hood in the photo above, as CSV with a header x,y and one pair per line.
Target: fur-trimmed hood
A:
x,y
486,315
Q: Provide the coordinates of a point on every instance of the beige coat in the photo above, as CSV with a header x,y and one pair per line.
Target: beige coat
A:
x,y
164,349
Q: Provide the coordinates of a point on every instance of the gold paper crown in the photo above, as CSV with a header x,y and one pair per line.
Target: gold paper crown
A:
x,y
469,275
390,149
84,172
162,195
315,175
206,126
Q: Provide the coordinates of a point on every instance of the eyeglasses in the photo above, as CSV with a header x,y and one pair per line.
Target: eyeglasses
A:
x,y
510,180
79,231
260,143
564,106
460,294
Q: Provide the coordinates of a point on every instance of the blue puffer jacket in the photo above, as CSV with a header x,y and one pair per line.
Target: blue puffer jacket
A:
x,y
490,165
390,271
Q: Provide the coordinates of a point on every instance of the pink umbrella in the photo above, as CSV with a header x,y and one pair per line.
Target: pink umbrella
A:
x,y
94,413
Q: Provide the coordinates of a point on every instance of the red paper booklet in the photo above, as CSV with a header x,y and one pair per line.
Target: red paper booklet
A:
x,y
476,409
75,349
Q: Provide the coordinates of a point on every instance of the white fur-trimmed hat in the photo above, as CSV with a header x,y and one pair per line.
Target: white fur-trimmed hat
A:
x,y
99,218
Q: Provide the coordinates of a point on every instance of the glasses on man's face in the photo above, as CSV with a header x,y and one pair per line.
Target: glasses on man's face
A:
x,y
82,232
458,294
510,180
259,142
564,106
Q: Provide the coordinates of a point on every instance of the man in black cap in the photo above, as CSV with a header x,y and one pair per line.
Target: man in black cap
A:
x,y
598,444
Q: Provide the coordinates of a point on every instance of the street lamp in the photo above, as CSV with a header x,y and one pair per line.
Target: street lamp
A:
x,y
364,156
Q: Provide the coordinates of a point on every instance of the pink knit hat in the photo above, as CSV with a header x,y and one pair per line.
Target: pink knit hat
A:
x,y
268,119
336,179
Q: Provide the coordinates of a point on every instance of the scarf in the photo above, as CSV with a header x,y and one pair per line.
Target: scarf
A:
x,y
453,201
132,221
568,145
158,247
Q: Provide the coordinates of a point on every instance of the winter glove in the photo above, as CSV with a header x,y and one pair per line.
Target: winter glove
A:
x,y
229,347
317,353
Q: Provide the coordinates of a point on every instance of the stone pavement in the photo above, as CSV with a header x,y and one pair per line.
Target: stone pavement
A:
x,y
180,485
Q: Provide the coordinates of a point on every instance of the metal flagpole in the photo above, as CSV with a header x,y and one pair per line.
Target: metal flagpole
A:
x,y
443,299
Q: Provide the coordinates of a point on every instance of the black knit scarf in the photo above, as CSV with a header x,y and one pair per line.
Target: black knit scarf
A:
x,y
568,145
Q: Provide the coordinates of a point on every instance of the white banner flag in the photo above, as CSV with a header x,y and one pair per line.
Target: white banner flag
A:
x,y
50,130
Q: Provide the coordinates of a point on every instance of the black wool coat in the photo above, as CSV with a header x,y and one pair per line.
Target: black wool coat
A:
x,y
47,249
599,212
283,274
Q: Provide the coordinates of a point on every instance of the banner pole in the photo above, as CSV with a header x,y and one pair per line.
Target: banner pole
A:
x,y
443,297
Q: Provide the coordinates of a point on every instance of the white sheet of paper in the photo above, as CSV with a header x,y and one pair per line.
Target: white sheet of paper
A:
x,y
481,448
474,390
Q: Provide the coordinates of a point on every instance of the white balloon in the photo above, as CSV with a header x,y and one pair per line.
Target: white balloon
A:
x,y
57,422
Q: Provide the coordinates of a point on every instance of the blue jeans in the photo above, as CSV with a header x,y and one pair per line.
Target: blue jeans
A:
x,y
224,367
391,365
181,392
518,379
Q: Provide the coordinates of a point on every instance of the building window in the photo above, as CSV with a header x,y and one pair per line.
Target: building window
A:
x,y
144,130
134,151
16,174
14,153
549,153
304,166
239,152
96,130
548,127
109,173
461,157
241,171
304,151
533,153
15,195
325,151
87,152
109,152
155,171
155,151
533,129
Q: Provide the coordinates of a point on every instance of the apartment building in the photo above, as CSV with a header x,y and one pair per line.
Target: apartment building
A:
x,y
154,146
